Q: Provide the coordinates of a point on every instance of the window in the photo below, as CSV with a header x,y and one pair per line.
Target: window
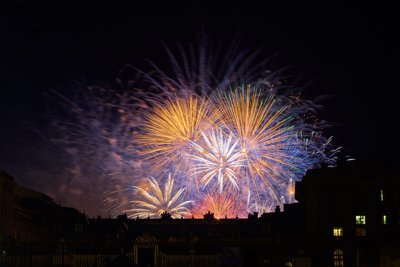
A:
x,y
381,195
78,227
120,234
361,219
361,231
384,219
337,231
210,231
338,258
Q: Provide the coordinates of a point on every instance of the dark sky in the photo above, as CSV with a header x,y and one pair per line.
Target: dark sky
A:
x,y
348,53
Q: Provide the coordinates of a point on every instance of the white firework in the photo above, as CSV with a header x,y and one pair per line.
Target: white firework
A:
x,y
155,201
219,158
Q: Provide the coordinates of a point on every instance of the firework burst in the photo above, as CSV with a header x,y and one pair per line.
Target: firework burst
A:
x,y
226,144
169,130
266,137
154,201
218,159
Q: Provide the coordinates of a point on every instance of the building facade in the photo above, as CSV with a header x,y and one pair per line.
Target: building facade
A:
x,y
345,216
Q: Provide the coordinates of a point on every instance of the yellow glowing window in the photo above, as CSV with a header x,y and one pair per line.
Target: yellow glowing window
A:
x,y
381,195
361,219
384,219
338,258
361,231
337,231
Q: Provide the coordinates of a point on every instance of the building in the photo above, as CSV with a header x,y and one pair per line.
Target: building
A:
x,y
345,216
353,211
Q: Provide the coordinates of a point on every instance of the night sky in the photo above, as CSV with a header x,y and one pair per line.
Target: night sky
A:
x,y
347,53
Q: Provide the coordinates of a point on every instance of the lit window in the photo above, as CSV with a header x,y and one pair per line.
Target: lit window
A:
x,y
382,195
361,219
338,258
384,219
361,231
337,231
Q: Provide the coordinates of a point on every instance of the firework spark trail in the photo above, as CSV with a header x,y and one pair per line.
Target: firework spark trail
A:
x,y
221,205
170,129
219,158
198,70
262,207
265,134
154,201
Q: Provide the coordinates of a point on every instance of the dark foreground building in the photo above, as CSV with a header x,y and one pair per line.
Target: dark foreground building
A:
x,y
345,216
